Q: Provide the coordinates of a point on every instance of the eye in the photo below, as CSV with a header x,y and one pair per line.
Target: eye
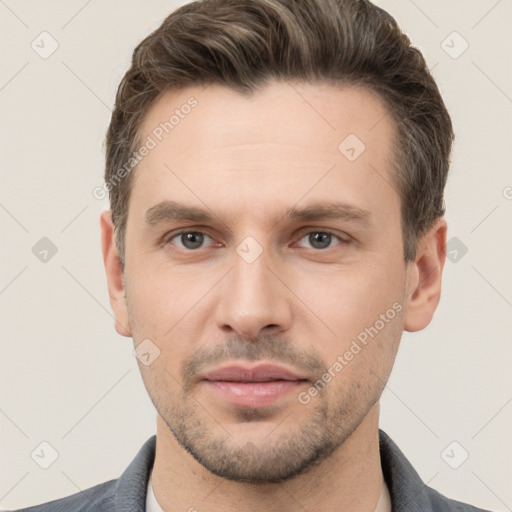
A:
x,y
190,240
321,239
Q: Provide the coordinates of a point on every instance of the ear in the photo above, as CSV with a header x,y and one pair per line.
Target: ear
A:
x,y
424,277
115,278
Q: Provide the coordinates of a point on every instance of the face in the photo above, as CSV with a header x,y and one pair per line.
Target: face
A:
x,y
264,261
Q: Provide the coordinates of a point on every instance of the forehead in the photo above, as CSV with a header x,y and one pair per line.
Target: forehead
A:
x,y
289,140
221,115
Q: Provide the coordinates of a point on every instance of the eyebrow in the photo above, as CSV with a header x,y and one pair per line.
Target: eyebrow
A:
x,y
166,211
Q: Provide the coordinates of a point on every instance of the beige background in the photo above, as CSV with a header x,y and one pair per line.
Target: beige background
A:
x,y
68,379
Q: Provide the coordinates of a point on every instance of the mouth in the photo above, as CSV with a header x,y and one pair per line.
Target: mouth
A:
x,y
256,386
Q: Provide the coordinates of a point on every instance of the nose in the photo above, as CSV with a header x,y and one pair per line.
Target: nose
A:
x,y
254,299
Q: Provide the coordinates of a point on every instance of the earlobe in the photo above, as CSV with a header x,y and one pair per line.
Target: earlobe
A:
x,y
424,278
114,273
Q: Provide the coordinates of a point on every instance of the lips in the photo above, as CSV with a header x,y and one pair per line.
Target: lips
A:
x,y
261,373
259,386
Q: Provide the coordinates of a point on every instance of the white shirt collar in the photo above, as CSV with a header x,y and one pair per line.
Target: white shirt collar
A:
x,y
151,504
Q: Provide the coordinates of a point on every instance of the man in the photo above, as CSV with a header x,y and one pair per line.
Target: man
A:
x,y
276,173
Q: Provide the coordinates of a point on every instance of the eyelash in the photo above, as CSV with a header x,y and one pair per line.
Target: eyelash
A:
x,y
302,235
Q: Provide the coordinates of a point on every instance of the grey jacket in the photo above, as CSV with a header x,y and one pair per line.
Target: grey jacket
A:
x,y
128,493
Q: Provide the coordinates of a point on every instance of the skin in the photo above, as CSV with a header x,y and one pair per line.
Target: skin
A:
x,y
249,159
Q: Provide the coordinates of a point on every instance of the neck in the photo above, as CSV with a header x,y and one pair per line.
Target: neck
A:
x,y
350,479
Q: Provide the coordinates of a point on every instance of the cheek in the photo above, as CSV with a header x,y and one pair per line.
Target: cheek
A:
x,y
162,296
161,381
165,306
358,367
350,299
350,304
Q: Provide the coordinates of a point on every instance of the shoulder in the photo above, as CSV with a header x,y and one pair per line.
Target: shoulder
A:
x,y
408,491
443,504
128,492
97,498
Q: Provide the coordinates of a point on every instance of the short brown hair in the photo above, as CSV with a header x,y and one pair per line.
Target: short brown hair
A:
x,y
243,44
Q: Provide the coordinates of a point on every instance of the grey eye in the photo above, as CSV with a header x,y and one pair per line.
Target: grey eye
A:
x,y
320,239
190,239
